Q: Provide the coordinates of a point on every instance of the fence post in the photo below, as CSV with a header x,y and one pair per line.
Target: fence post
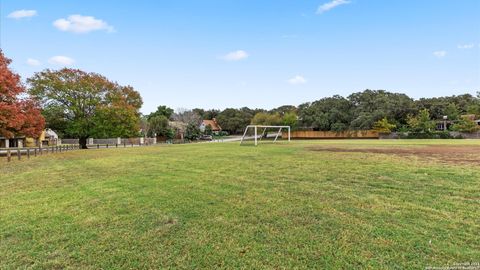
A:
x,y
124,144
35,152
116,145
28,153
19,155
107,145
8,155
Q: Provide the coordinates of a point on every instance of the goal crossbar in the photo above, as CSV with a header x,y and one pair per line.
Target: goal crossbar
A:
x,y
256,127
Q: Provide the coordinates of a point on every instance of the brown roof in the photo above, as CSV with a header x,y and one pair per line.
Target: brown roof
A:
x,y
213,123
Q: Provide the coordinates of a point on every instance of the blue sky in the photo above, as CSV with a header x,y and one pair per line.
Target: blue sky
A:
x,y
234,53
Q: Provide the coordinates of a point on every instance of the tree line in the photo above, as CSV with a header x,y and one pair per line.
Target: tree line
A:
x,y
79,104
366,110
370,109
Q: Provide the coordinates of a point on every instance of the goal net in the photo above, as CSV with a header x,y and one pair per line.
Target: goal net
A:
x,y
259,133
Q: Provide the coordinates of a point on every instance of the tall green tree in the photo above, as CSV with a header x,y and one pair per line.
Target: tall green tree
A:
x,y
158,126
452,111
263,118
55,119
235,120
371,106
162,111
91,104
438,106
332,113
282,110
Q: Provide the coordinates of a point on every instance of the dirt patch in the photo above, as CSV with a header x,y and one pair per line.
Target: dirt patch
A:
x,y
469,155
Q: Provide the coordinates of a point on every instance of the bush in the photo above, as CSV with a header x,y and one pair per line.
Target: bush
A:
x,y
427,135
465,125
384,126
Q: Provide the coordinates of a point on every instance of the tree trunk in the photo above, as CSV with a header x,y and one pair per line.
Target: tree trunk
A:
x,y
83,143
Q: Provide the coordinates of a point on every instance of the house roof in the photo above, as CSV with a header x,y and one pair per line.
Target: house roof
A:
x,y
50,133
213,123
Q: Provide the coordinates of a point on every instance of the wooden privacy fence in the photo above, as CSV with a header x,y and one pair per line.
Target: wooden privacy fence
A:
x,y
353,134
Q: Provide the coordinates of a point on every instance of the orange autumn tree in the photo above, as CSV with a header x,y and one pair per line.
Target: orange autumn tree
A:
x,y
19,114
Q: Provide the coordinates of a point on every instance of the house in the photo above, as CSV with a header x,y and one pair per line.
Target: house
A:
x,y
11,142
445,124
47,138
442,125
212,123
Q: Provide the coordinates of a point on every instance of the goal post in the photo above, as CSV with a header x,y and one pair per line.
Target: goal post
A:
x,y
263,129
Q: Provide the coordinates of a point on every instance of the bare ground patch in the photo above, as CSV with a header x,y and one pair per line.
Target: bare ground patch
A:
x,y
466,155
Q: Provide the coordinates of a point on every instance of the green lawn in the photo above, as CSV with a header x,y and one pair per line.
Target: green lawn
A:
x,y
224,205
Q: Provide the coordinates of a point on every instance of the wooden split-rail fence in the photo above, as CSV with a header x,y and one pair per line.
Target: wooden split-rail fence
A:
x,y
27,152
12,153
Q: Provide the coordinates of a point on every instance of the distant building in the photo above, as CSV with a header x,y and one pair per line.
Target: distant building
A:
x,y
48,137
212,123
12,142
445,124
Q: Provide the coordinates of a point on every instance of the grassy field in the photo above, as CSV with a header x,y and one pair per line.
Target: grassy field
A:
x,y
307,204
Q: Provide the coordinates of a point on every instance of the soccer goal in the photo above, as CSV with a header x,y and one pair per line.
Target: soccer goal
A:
x,y
260,132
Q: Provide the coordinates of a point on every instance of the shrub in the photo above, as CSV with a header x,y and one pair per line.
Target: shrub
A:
x,y
384,126
465,125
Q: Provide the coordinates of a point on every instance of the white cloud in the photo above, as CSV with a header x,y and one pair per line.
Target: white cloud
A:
x,y
440,54
235,56
330,5
19,14
33,62
81,24
466,46
61,60
297,80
